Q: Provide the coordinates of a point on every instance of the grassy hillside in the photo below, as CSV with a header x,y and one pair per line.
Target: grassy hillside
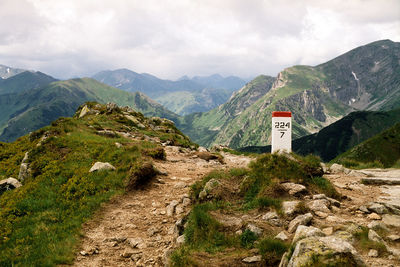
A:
x,y
382,150
340,136
24,81
32,109
40,221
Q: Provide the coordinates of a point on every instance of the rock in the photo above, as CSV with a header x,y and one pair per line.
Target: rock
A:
x,y
252,259
377,208
289,207
318,196
180,240
328,230
299,220
179,209
293,189
377,225
202,149
372,235
319,205
118,145
374,216
273,218
230,222
394,238
282,236
336,168
24,171
373,253
346,236
171,208
381,181
127,253
303,231
84,111
135,242
153,230
208,188
391,220
364,209
333,202
9,184
111,107
100,166
255,229
84,253
107,133
186,202
328,250
334,219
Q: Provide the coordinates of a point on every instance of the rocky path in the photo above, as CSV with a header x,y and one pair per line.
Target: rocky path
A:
x,y
139,228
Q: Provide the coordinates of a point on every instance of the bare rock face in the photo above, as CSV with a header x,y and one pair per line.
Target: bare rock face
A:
x,y
100,166
9,184
24,171
329,250
289,207
306,231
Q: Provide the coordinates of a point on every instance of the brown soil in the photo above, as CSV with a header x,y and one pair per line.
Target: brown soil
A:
x,y
143,214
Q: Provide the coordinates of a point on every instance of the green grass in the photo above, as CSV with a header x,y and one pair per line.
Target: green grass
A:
x,y
40,221
272,250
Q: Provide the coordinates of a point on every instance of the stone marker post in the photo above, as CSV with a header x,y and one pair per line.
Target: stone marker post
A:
x,y
281,131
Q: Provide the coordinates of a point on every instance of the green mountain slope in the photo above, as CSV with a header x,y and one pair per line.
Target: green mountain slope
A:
x,y
24,81
184,96
341,135
32,109
40,221
7,72
364,78
382,149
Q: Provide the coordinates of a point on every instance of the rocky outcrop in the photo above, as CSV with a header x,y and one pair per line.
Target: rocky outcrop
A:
x,y
24,171
9,184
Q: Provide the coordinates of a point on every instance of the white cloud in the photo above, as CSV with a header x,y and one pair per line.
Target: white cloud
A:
x,y
171,38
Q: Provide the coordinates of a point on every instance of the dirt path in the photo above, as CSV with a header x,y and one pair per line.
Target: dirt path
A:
x,y
138,228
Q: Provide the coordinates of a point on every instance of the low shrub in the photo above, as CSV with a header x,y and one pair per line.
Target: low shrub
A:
x,y
272,250
247,239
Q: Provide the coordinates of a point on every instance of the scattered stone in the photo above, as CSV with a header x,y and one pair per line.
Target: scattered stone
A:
x,y
202,149
118,145
321,214
273,218
303,231
127,253
377,225
393,238
282,236
252,259
135,242
374,216
294,189
153,230
336,168
179,209
334,219
99,166
107,133
318,196
84,253
9,184
171,208
231,222
373,253
289,207
364,209
111,107
328,230
180,240
372,235
380,181
333,202
186,202
255,229
391,220
377,208
299,220
319,205
208,188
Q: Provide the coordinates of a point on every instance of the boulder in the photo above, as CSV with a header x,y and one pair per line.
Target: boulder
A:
x,y
319,205
84,111
306,231
111,107
374,216
273,218
394,238
299,220
329,250
336,168
373,236
282,236
373,253
9,184
377,208
171,208
255,229
100,166
252,259
377,225
289,207
135,242
294,189
208,188
328,230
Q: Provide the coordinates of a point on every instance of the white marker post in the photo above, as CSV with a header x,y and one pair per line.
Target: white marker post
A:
x,y
281,131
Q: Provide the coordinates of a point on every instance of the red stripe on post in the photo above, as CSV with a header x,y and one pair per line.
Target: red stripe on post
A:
x,y
281,114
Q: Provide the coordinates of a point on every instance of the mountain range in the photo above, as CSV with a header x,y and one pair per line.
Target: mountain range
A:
x,y
184,96
365,78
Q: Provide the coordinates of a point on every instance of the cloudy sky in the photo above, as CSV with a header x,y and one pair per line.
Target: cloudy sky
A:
x,y
171,38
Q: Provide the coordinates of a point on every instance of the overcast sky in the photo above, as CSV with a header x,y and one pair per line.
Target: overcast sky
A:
x,y
67,38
